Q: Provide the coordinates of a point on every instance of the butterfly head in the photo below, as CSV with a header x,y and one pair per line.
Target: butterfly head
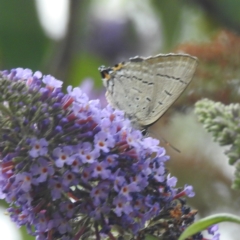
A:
x,y
105,74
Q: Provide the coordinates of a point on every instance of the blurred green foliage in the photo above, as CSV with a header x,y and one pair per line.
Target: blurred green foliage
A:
x,y
22,40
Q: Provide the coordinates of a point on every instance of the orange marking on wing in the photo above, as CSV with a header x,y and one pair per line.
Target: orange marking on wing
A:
x,y
118,67
106,75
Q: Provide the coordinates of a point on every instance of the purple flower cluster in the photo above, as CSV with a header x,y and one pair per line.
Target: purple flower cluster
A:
x,y
71,169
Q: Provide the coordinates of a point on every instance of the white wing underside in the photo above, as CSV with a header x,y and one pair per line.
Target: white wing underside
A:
x,y
144,88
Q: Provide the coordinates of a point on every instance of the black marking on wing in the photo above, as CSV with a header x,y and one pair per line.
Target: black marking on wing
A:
x,y
125,76
139,79
146,82
148,99
136,59
119,64
172,77
168,93
137,90
160,103
129,77
183,82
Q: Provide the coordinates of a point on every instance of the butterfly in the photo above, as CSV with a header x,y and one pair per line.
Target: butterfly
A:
x,y
145,88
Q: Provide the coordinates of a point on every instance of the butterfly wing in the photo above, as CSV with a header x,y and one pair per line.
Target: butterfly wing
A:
x,y
144,88
170,74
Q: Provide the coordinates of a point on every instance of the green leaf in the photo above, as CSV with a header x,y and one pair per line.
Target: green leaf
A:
x,y
150,237
207,222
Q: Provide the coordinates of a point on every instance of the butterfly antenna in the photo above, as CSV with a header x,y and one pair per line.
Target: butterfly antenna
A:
x,y
162,139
